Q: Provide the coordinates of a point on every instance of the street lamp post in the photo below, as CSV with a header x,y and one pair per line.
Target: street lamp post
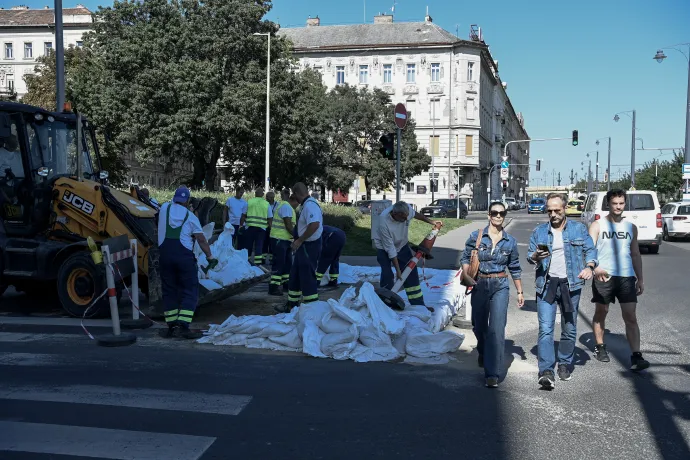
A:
x,y
632,146
608,166
268,110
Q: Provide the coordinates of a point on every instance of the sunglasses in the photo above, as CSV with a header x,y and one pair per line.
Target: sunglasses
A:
x,y
498,213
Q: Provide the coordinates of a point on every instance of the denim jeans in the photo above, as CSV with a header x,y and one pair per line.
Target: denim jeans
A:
x,y
547,317
489,315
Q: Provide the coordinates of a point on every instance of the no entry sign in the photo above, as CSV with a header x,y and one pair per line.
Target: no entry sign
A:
x,y
400,116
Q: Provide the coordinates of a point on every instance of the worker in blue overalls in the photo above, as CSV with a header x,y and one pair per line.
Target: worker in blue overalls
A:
x,y
177,229
332,243
302,285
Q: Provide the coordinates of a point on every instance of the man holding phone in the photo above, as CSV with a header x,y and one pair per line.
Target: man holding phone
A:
x,y
565,257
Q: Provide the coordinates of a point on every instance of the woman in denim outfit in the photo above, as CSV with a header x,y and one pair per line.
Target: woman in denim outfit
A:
x,y
491,292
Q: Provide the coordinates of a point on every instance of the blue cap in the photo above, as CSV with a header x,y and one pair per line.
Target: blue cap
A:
x,y
182,195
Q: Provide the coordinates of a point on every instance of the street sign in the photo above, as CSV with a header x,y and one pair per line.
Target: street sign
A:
x,y
505,165
504,173
686,168
400,116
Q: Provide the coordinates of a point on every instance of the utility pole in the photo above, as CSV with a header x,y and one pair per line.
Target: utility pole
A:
x,y
571,176
433,150
59,59
596,175
559,179
589,177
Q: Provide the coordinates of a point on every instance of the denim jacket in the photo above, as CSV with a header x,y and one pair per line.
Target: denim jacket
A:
x,y
490,261
578,249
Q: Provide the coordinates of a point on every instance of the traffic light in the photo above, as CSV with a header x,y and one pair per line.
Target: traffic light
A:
x,y
538,165
388,146
505,186
575,137
656,181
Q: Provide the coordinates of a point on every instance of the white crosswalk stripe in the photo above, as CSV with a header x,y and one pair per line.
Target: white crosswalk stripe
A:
x,y
108,443
99,442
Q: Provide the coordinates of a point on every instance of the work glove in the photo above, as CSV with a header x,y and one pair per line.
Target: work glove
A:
x,y
211,264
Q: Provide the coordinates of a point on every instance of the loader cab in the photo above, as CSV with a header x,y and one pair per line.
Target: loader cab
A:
x,y
36,148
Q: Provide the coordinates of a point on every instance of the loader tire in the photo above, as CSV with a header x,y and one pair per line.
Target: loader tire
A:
x,y
79,282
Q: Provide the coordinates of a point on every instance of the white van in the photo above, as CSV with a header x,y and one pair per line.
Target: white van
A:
x,y
641,207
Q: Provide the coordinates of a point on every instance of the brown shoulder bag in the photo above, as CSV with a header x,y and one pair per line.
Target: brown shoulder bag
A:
x,y
473,270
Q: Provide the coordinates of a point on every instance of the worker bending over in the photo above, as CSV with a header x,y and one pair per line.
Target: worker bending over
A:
x,y
391,241
177,227
284,221
332,243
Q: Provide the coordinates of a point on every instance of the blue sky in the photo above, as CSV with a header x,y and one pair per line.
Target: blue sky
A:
x,y
568,65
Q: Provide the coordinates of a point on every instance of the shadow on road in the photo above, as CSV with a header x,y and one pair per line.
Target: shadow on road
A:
x,y
661,406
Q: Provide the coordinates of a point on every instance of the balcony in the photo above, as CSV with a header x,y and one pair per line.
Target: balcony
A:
x,y
389,89
411,89
435,88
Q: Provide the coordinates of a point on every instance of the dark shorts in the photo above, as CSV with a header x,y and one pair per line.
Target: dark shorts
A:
x,y
618,287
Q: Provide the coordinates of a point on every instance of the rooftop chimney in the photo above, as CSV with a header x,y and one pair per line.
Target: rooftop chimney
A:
x,y
20,7
427,18
313,22
383,19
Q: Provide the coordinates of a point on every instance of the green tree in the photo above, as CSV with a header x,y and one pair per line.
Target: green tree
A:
x,y
359,117
40,85
179,79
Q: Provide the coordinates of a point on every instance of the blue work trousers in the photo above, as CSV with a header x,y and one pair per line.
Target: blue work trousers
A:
x,y
411,284
179,281
330,257
282,262
546,313
489,316
254,239
302,285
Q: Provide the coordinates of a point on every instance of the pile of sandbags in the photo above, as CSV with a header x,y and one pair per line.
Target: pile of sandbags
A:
x,y
233,265
358,326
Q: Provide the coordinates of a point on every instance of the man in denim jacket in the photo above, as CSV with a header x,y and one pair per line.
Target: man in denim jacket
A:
x,y
567,259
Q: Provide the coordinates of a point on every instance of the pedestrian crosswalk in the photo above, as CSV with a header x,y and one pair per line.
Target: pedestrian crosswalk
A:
x,y
59,396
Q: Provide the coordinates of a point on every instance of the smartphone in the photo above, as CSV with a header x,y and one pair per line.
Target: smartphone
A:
x,y
543,247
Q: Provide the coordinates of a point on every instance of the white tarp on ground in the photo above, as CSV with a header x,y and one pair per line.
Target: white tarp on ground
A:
x,y
358,326
233,265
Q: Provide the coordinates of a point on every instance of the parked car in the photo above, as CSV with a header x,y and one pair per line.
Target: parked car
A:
x,y
446,207
510,203
522,204
676,221
641,207
537,205
364,206
574,208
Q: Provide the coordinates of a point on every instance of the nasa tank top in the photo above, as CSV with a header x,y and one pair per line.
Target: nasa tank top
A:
x,y
613,247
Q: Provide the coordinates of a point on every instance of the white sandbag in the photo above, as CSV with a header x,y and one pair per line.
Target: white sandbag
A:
x,y
347,298
312,311
209,284
349,315
423,344
382,316
273,329
363,354
330,323
290,340
208,233
311,339
339,344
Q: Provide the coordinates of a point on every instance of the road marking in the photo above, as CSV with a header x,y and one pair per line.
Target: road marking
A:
x,y
100,442
26,337
142,398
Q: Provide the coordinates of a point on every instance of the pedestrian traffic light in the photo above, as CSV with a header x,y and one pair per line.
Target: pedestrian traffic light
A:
x,y
388,146
538,165
574,137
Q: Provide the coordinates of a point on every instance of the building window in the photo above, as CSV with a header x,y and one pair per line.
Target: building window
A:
x,y
457,144
411,73
469,108
340,75
10,82
411,105
9,52
80,44
433,182
435,109
409,187
363,74
47,46
470,71
436,72
468,146
387,73
433,145
28,50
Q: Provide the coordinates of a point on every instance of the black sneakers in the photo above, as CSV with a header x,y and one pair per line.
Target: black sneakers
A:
x,y
491,382
563,372
601,354
547,380
637,362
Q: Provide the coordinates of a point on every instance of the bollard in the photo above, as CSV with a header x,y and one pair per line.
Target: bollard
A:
x,y
135,322
117,338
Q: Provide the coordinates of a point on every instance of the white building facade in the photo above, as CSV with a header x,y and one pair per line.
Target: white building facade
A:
x,y
450,87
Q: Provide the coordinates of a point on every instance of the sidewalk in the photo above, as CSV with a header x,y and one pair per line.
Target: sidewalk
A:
x,y
446,252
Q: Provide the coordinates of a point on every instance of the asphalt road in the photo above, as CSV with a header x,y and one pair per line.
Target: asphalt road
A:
x,y
62,397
